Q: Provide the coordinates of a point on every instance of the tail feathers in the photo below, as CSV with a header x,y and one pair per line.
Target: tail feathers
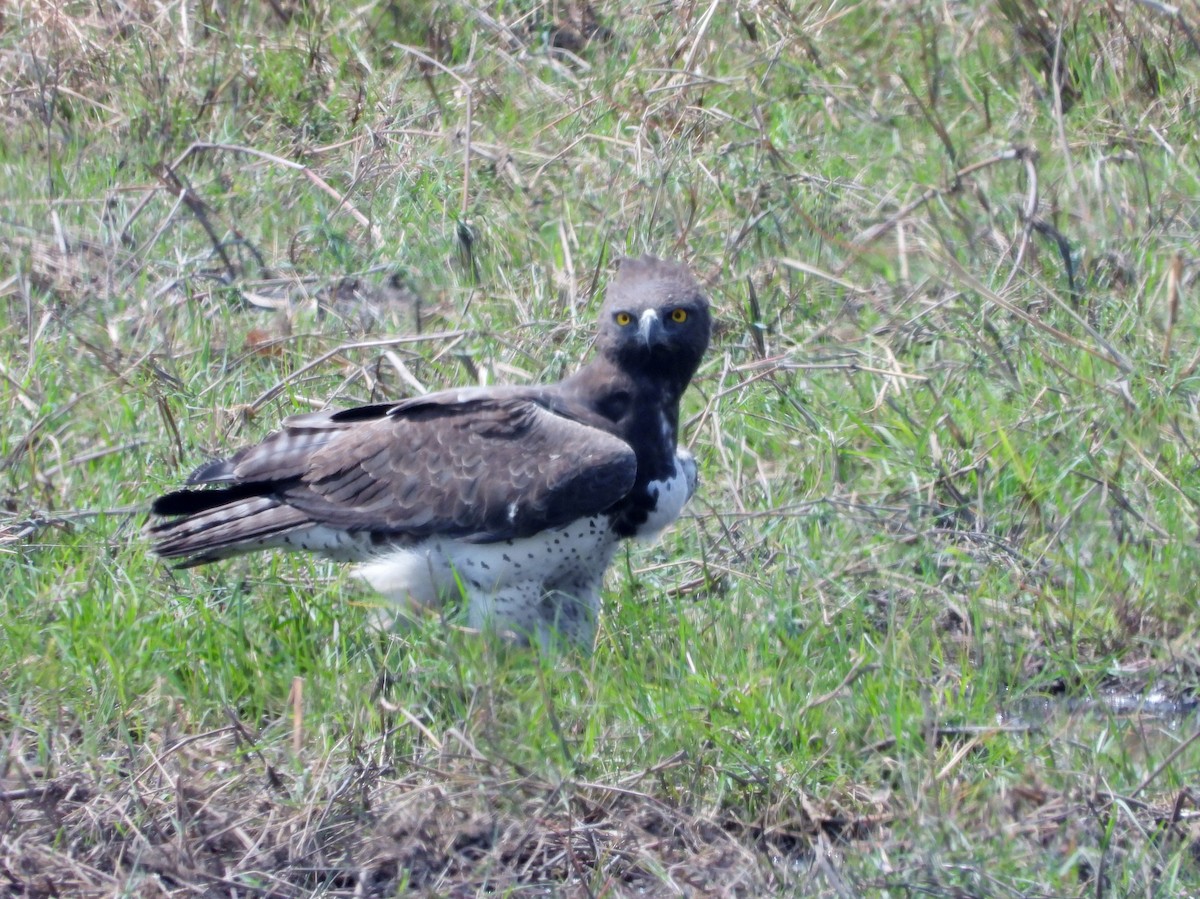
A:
x,y
214,471
192,502
213,528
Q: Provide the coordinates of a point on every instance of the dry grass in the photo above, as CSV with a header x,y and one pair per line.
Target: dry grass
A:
x,y
948,434
212,813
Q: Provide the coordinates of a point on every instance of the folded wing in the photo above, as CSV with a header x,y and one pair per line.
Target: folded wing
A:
x,y
472,465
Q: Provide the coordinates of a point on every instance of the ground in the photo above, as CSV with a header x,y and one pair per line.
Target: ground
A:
x,y
928,627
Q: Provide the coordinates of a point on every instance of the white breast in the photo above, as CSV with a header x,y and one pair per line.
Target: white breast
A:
x,y
672,495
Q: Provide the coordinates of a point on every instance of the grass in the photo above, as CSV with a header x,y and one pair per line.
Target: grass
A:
x,y
947,435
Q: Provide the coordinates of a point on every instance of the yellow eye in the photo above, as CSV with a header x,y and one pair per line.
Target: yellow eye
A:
x,y
679,316
623,318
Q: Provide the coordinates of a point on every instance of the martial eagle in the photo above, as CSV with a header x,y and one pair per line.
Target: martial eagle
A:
x,y
514,497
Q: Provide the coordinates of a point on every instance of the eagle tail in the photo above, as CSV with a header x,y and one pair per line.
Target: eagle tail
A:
x,y
202,526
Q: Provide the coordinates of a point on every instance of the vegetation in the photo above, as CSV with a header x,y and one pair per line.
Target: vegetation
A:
x,y
929,628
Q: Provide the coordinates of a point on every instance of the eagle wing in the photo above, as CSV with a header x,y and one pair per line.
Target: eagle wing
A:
x,y
475,465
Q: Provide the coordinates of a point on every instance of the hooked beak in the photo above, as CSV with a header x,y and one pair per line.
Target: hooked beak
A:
x,y
650,329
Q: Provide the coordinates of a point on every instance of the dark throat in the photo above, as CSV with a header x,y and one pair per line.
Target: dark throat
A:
x,y
641,409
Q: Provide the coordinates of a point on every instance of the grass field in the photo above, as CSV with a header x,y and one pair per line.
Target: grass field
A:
x,y
929,627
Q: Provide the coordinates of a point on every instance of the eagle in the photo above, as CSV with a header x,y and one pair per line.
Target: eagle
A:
x,y
514,498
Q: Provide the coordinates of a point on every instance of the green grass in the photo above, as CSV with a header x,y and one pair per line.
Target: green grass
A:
x,y
947,434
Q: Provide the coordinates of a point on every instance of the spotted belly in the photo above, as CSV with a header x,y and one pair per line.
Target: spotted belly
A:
x,y
332,543
532,585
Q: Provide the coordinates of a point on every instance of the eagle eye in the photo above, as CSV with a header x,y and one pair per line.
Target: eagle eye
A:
x,y
679,316
623,318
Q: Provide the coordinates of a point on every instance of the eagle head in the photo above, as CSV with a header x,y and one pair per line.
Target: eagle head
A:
x,y
655,320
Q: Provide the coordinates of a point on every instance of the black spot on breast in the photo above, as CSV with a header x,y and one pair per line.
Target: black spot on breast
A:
x,y
626,519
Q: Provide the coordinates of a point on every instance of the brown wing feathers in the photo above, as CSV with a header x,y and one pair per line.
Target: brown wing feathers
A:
x,y
482,469
485,468
214,522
